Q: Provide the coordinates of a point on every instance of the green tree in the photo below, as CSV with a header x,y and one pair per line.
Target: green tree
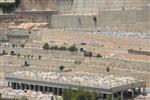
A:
x,y
26,63
22,45
61,68
63,48
13,45
31,56
99,56
73,48
18,55
28,56
46,46
88,54
39,57
107,69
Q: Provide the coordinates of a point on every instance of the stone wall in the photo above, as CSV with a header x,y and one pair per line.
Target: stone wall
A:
x,y
128,20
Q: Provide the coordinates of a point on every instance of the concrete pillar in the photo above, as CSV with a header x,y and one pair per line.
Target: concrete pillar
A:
x,y
25,85
9,85
112,95
38,88
34,87
102,96
30,87
17,85
121,95
44,89
144,92
139,90
132,94
20,86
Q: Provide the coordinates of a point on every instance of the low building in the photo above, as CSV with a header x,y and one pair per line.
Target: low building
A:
x,y
3,38
7,1
18,36
56,82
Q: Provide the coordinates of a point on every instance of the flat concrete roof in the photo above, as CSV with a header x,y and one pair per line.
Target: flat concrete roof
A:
x,y
65,84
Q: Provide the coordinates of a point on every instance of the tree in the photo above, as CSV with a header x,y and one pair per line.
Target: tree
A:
x,y
99,56
31,56
3,52
73,48
39,57
63,48
80,94
22,45
107,69
61,67
95,21
28,56
46,46
18,55
13,45
88,54
26,63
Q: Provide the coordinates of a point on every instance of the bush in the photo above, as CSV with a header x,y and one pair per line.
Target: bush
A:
x,y
73,49
63,48
39,57
28,56
88,54
81,49
46,46
13,45
99,55
31,56
26,63
18,55
22,45
61,67
9,7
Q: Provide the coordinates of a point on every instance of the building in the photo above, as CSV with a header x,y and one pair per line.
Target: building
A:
x,y
3,38
56,82
18,36
7,1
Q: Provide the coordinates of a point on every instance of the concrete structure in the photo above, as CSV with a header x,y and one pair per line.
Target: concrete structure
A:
x,y
34,16
18,36
114,20
7,1
55,82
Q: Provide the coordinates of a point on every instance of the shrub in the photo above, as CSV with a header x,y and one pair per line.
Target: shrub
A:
x,y
99,55
88,54
39,57
46,46
31,56
28,56
63,48
22,45
61,67
73,49
18,55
